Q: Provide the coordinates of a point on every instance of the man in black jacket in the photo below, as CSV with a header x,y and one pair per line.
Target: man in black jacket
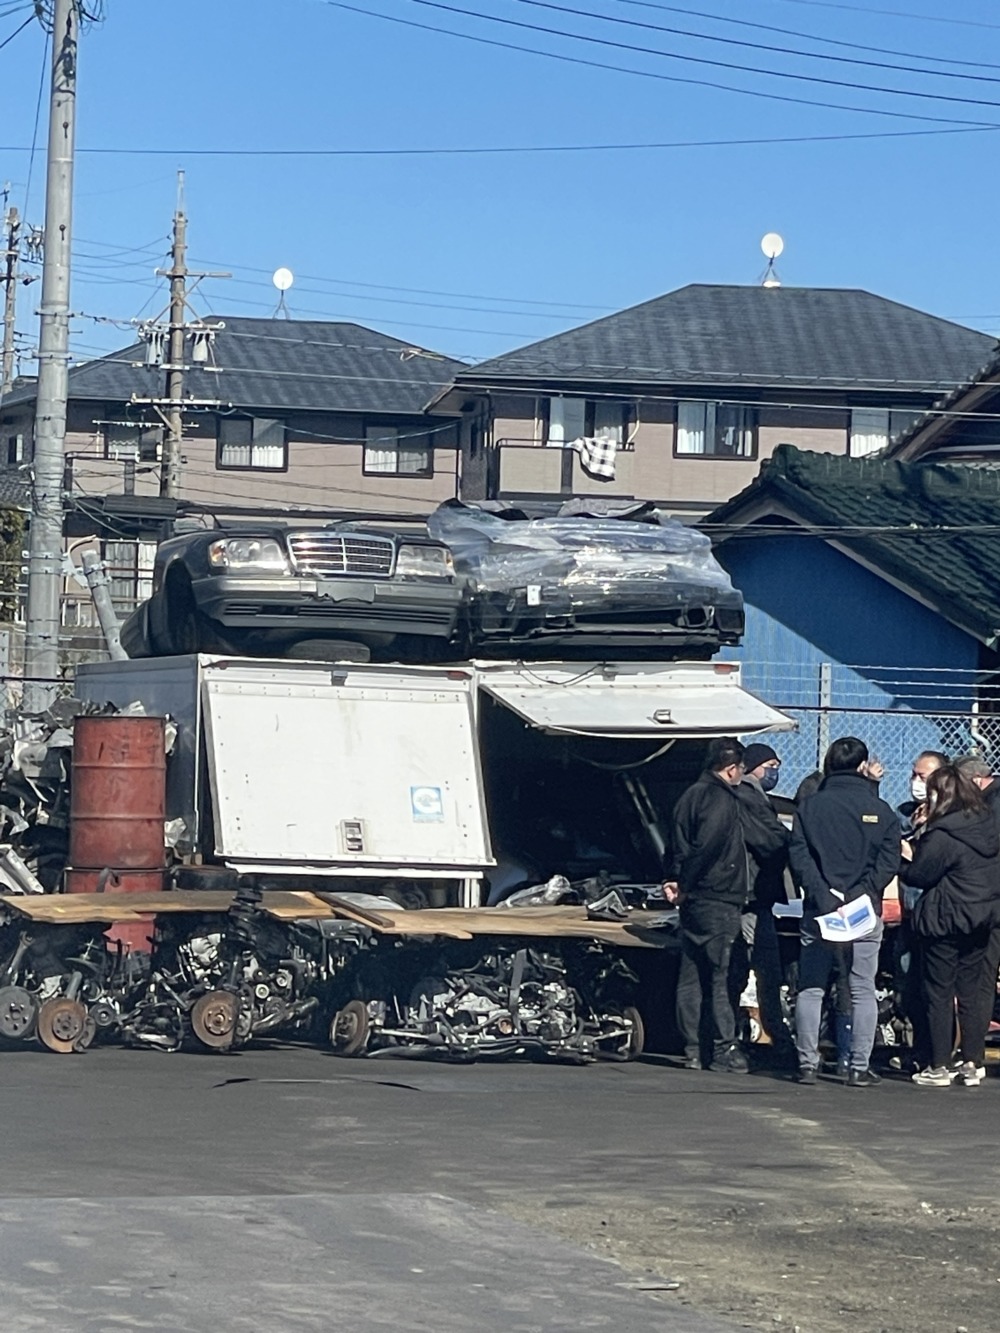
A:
x,y
767,839
710,882
845,843
981,773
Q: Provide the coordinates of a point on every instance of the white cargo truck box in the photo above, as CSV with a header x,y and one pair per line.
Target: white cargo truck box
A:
x,y
367,770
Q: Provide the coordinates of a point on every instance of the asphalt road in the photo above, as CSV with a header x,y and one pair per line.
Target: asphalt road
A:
x,y
284,1189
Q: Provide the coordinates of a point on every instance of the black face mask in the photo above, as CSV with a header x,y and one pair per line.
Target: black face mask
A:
x,y
769,778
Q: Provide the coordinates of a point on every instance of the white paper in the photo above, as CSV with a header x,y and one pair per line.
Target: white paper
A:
x,y
794,908
851,922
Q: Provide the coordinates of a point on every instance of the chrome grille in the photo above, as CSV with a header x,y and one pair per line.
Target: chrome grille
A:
x,y
326,554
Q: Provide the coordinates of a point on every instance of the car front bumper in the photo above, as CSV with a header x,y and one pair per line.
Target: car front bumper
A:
x,y
344,605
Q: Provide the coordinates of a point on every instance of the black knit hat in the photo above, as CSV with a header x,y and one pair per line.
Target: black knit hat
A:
x,y
756,755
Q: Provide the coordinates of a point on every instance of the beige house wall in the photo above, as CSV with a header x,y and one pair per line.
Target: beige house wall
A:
x,y
648,468
325,472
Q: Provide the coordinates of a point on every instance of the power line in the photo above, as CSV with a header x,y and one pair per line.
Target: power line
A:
x,y
826,57
607,42
17,31
526,150
895,13
809,36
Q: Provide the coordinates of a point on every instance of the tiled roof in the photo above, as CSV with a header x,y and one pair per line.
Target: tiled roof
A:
x,y
280,365
932,528
701,334
14,490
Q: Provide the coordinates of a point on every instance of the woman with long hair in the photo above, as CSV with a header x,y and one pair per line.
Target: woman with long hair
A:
x,y
955,865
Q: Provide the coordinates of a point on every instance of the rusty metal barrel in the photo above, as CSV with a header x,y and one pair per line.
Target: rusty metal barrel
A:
x,y
117,808
119,793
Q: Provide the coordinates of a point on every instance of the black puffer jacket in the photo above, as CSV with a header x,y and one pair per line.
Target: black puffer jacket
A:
x,y
955,863
709,853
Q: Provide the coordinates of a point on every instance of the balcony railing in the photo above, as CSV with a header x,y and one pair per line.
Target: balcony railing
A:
x,y
527,468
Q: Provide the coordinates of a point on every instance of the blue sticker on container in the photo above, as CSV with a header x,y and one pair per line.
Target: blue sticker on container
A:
x,y
427,805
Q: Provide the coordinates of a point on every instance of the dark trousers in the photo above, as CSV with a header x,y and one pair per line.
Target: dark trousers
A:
x,y
704,1010
757,947
908,967
955,969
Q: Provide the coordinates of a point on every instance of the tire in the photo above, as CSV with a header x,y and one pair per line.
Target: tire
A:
x,y
634,1044
349,1028
187,630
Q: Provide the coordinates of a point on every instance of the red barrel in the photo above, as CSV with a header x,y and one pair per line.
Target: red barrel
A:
x,y
117,810
119,793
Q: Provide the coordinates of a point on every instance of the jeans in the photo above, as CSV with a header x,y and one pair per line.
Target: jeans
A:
x,y
704,1009
954,969
816,969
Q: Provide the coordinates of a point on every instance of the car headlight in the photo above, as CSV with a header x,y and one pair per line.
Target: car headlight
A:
x,y
429,562
262,554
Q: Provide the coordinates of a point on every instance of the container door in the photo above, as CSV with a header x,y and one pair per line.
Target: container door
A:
x,y
360,768
633,701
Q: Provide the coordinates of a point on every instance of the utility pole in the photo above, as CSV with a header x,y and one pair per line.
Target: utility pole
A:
x,y
13,225
170,472
173,336
41,654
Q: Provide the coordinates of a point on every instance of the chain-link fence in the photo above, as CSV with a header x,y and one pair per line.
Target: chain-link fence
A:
x,y
897,712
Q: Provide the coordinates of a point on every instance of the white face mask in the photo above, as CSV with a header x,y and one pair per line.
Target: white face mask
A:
x,y
918,789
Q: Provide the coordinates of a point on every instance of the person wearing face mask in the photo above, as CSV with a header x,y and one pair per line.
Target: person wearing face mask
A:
x,y
757,948
908,979
913,813
954,864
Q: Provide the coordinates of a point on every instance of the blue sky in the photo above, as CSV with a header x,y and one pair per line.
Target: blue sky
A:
x,y
587,233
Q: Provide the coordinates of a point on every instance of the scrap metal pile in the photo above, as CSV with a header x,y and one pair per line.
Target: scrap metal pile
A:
x,y
36,754
218,980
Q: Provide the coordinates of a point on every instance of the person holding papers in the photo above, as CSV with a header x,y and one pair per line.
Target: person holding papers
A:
x,y
845,849
955,865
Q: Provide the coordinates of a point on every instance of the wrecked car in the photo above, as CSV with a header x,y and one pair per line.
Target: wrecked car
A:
x,y
491,1000
344,591
630,581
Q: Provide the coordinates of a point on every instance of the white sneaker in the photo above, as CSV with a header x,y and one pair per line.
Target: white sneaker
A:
x,y
933,1078
967,1073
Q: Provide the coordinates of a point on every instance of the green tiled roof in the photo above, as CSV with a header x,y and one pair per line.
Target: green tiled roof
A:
x,y
934,529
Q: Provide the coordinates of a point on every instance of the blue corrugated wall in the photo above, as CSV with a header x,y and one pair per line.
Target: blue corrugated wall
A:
x,y
808,604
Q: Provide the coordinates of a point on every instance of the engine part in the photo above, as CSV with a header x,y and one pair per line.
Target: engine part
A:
x,y
349,1028
215,1019
62,1023
18,1013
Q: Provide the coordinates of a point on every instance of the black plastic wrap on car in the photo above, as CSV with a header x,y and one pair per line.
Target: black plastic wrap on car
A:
x,y
585,563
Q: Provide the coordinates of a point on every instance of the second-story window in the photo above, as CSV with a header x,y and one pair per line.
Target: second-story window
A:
x,y
872,428
15,450
252,443
572,419
397,453
123,440
716,430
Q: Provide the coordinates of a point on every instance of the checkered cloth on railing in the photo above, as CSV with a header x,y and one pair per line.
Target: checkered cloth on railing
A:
x,y
597,457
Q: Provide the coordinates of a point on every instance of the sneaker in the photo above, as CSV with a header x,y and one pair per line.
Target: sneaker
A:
x,y
862,1078
732,1061
934,1078
692,1062
843,1069
807,1074
969,1075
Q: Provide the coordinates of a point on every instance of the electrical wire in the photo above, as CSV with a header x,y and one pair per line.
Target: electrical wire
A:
x,y
825,57
38,116
894,13
640,73
808,36
17,31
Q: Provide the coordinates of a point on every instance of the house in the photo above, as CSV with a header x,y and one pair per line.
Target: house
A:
x,y
872,603
695,389
298,416
961,427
